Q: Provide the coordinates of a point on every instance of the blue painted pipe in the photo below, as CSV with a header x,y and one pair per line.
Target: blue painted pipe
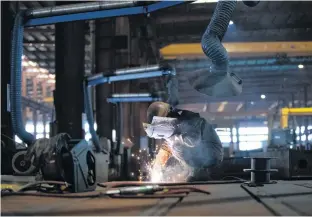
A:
x,y
133,99
102,13
101,79
89,113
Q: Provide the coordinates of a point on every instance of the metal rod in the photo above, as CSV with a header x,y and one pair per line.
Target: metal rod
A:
x,y
126,71
77,8
100,78
117,12
137,69
130,95
133,99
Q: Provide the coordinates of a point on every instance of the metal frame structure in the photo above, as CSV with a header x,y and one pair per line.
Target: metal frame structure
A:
x,y
120,75
101,14
285,112
31,21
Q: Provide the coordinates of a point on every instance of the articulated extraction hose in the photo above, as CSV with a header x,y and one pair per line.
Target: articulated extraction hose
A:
x,y
16,82
90,119
217,81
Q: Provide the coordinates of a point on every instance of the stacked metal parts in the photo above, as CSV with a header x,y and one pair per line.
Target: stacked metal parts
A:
x,y
260,171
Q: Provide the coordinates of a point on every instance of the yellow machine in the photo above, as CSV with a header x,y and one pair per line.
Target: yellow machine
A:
x,y
285,112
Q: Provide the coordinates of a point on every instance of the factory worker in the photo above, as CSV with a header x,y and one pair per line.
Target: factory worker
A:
x,y
191,145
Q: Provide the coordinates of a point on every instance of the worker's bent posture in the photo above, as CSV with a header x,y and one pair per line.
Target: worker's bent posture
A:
x,y
191,144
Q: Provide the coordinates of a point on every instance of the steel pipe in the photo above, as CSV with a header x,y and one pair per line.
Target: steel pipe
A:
x,y
130,74
77,8
133,99
130,95
138,69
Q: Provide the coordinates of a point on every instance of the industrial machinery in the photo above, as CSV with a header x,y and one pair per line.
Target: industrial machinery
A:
x,y
290,163
61,157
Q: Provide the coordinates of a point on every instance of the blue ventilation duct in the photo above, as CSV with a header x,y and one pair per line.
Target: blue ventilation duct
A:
x,y
16,82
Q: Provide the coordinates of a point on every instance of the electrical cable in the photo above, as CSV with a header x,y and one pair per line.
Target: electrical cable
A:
x,y
126,184
35,184
166,192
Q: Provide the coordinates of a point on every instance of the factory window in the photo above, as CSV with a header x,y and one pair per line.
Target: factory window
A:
x,y
39,136
253,130
49,92
302,129
224,135
29,86
247,146
225,139
30,127
252,137
39,128
303,138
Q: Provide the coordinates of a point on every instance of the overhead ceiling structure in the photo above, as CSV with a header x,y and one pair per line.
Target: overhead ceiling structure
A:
x,y
270,48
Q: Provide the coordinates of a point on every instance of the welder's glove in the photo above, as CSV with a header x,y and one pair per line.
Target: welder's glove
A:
x,y
159,164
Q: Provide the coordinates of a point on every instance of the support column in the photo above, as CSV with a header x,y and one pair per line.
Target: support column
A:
x,y
8,146
105,63
69,69
306,118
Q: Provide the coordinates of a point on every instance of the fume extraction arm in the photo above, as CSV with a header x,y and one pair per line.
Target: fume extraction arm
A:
x,y
217,81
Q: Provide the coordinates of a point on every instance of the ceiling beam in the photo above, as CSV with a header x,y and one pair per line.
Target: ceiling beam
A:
x,y
256,48
188,34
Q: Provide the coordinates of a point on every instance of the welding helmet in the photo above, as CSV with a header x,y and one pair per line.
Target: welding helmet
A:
x,y
159,109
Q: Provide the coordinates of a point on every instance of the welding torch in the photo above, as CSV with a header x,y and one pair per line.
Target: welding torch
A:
x,y
147,189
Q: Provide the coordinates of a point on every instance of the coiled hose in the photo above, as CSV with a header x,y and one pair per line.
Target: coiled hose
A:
x,y
211,39
90,119
217,81
16,81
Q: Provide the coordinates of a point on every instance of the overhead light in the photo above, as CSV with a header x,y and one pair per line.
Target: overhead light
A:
x,y
300,66
231,22
252,103
263,96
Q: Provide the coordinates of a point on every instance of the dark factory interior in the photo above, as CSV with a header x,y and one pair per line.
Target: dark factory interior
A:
x,y
155,108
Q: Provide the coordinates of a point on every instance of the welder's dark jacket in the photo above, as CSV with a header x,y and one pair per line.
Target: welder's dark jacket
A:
x,y
195,143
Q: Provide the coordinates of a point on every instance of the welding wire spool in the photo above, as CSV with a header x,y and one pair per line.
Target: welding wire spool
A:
x,y
20,165
260,171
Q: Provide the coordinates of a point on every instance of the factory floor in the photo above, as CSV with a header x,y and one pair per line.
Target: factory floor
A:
x,y
283,198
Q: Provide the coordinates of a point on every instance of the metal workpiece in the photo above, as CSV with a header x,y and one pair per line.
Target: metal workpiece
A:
x,y
260,171
77,8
